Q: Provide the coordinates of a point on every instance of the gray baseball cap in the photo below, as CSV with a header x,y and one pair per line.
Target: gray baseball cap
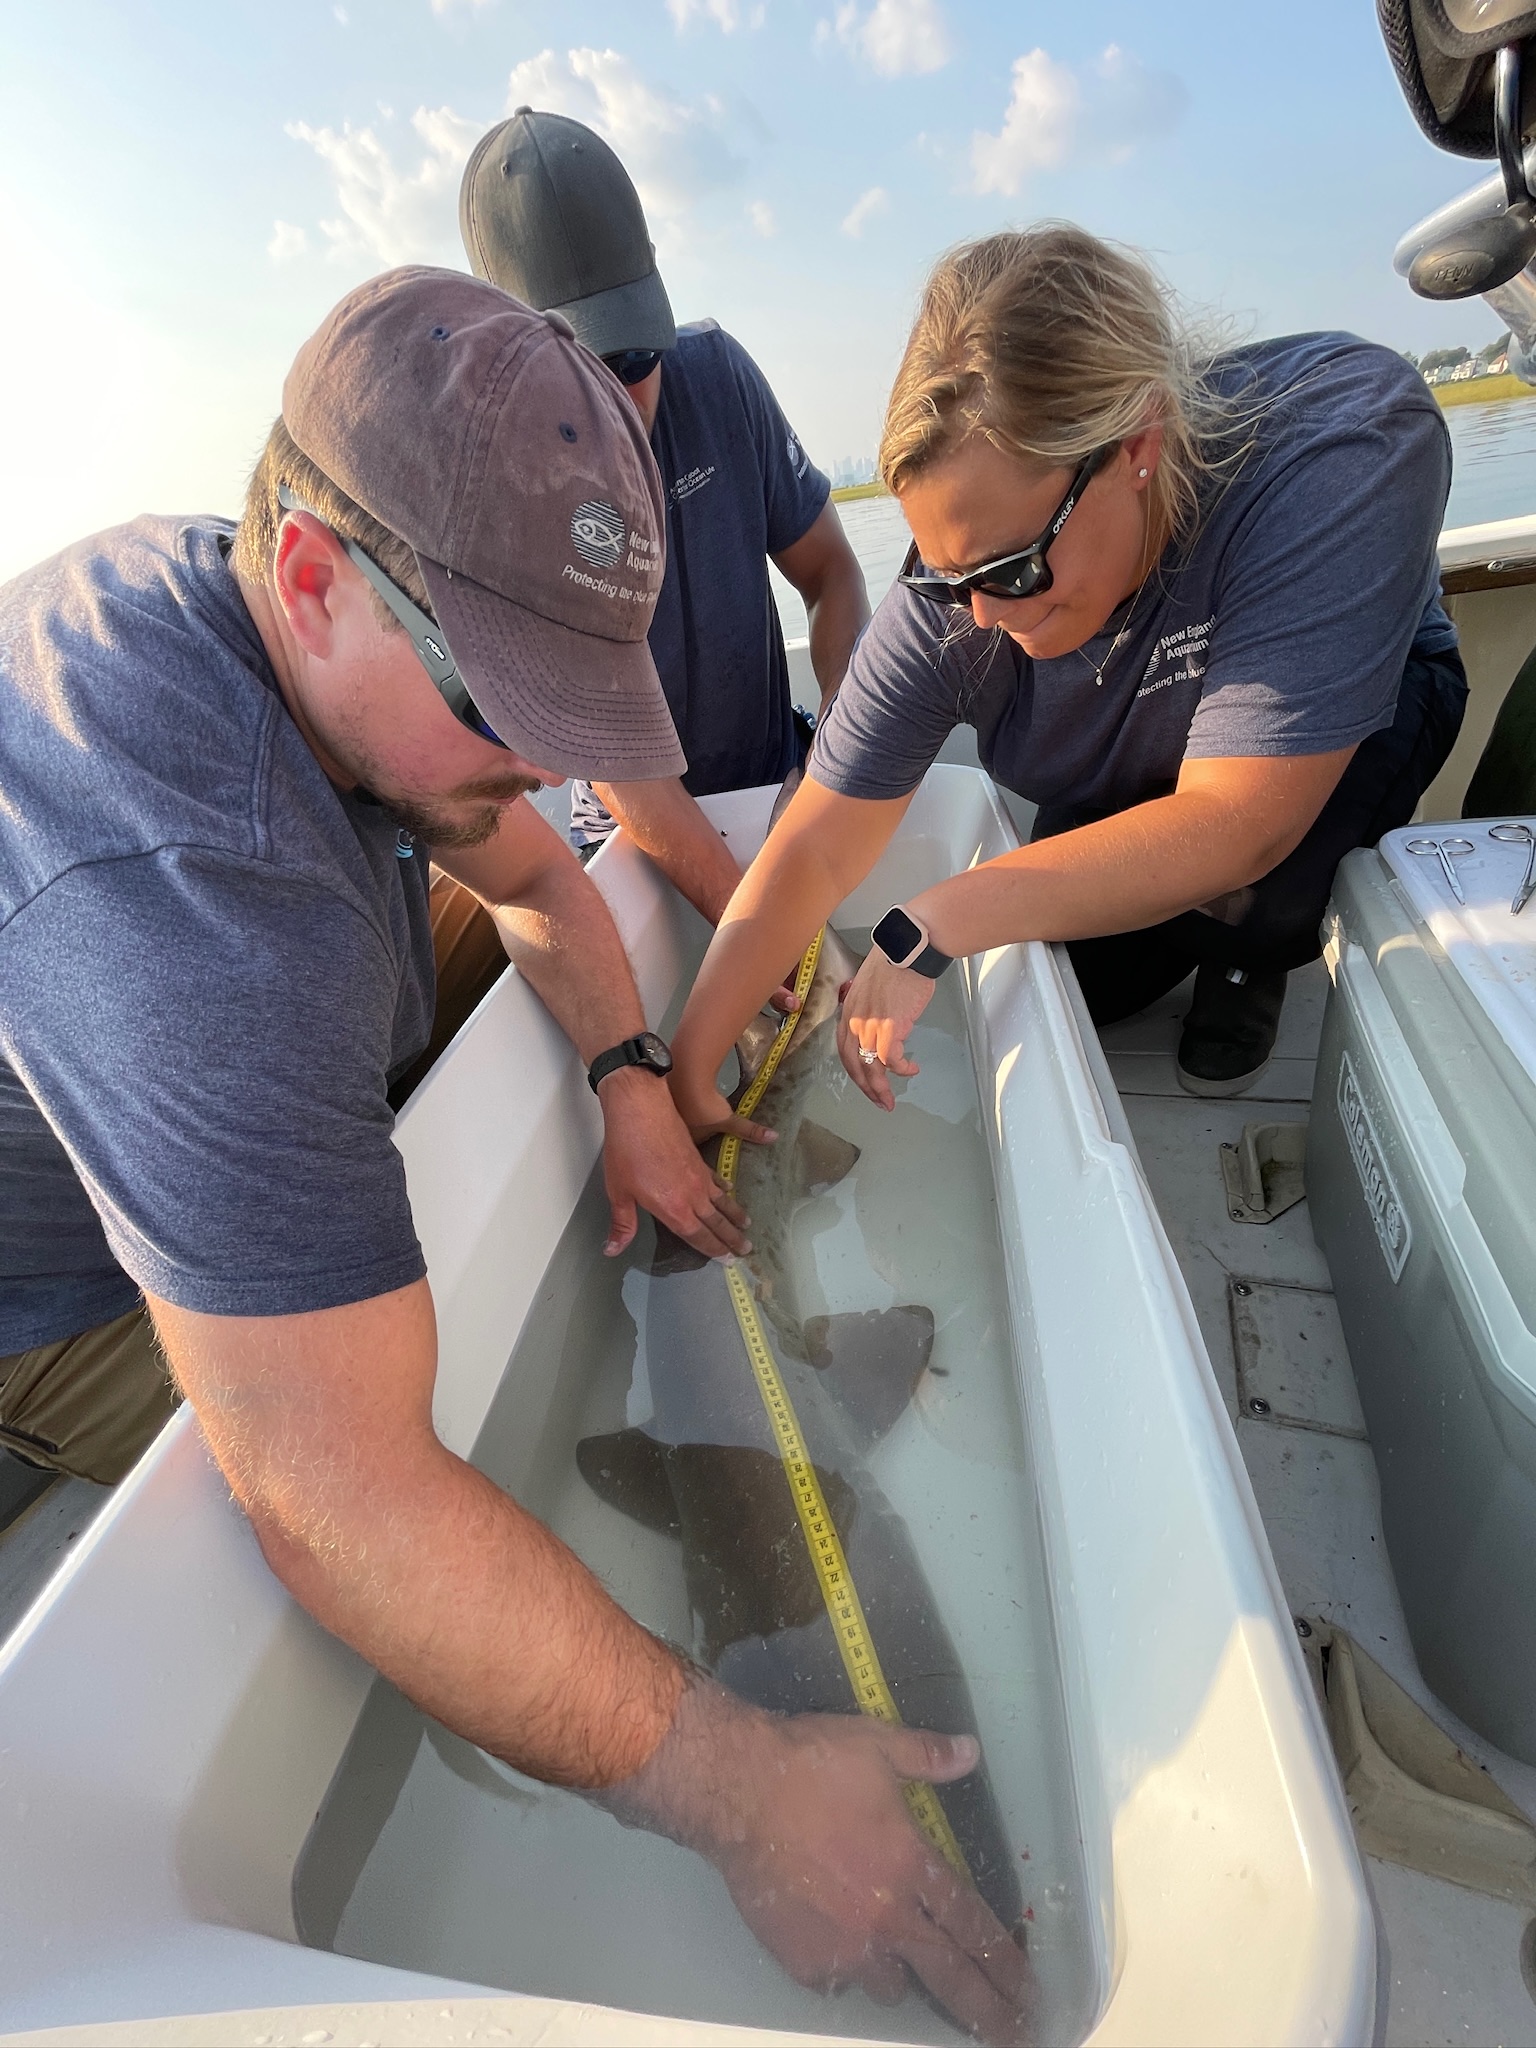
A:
x,y
548,212
480,433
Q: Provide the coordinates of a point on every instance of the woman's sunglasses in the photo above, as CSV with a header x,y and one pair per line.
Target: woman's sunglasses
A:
x,y
633,365
1010,577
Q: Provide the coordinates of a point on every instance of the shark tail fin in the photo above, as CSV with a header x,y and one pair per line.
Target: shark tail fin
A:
x,y
871,1362
628,1470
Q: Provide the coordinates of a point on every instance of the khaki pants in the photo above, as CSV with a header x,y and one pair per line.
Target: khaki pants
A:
x,y
89,1405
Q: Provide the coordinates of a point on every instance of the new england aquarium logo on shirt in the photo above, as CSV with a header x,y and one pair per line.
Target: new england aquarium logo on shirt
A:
x,y
799,461
598,534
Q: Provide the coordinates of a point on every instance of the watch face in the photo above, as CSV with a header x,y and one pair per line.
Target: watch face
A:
x,y
654,1052
897,935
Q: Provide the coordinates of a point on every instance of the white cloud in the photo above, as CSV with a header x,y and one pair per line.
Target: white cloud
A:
x,y
474,6
1117,98
863,209
1037,127
760,213
675,150
727,15
287,243
897,38
399,216
398,210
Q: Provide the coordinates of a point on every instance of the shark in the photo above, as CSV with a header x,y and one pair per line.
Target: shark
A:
x,y
706,1467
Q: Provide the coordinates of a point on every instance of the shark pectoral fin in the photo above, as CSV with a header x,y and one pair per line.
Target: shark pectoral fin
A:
x,y
871,1362
822,1159
628,1470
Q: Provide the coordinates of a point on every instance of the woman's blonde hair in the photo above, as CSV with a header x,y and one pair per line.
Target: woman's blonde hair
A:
x,y
1051,343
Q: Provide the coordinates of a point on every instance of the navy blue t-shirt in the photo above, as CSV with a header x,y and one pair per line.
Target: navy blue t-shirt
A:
x,y
1281,626
211,961
739,488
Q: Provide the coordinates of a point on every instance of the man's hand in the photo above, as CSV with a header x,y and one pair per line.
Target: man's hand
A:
x,y
805,1819
880,1006
650,1160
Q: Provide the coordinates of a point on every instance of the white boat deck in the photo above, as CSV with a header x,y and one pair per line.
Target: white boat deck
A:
x,y
1452,1958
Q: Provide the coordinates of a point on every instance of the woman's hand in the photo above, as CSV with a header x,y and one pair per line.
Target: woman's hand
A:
x,y
708,1113
880,1007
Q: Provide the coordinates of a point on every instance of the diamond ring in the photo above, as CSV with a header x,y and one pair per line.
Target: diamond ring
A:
x,y
867,1056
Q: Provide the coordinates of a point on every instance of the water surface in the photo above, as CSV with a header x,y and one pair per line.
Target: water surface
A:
x,y
430,1855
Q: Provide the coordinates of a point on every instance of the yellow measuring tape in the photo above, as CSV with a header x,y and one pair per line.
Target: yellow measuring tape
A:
x,y
838,1591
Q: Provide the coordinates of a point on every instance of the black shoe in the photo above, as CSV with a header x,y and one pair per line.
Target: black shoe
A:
x,y
21,1483
1229,1033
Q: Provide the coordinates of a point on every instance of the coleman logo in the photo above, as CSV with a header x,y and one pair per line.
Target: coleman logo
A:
x,y
1388,1215
598,533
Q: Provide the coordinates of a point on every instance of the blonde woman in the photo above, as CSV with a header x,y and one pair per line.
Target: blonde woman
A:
x,y
1189,605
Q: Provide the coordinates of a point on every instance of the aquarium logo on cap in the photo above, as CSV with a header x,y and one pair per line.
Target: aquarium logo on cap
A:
x,y
598,534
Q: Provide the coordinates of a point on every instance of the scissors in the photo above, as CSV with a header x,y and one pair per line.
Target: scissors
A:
x,y
1446,851
1519,835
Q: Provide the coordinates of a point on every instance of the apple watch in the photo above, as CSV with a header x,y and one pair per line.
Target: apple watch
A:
x,y
645,1049
904,941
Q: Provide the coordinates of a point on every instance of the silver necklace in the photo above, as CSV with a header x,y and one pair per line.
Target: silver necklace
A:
x,y
1099,667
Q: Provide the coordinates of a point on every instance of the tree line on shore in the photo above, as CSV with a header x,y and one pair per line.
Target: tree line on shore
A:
x,y
1486,361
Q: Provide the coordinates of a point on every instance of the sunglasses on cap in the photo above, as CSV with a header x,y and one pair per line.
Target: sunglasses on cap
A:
x,y
633,365
1010,577
426,636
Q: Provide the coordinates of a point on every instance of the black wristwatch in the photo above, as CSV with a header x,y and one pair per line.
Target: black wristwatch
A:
x,y
904,941
644,1050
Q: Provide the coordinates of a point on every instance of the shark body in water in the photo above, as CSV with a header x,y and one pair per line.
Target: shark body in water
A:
x,y
706,1468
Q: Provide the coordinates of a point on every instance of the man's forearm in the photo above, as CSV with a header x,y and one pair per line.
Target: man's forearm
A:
x,y
665,822
836,618
562,938
322,1426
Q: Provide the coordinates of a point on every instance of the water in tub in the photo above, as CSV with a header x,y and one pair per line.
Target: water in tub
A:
x,y
430,1855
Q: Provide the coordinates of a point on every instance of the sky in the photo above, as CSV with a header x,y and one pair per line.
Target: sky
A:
x,y
185,188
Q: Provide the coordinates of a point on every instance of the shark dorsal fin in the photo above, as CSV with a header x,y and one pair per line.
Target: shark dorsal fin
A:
x,y
822,1158
870,1363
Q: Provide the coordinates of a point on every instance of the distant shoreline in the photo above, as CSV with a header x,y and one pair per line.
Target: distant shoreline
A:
x,y
1477,391
845,492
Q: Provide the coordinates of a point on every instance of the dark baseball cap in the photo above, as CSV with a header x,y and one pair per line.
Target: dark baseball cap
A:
x,y
481,433
548,212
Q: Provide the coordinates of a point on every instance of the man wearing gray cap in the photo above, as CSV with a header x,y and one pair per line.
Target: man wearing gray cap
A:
x,y
228,754
548,212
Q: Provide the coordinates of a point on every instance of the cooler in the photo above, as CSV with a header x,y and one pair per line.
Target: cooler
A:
x,y
1421,1172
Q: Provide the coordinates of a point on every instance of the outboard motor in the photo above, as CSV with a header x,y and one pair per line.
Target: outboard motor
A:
x,y
1468,70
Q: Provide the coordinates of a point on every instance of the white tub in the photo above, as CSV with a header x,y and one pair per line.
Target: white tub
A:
x,y
169,1719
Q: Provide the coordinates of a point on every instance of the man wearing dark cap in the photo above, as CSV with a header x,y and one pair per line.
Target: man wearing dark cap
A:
x,y
228,755
548,212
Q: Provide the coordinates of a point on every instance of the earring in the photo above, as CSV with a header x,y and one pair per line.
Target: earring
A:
x,y
1141,472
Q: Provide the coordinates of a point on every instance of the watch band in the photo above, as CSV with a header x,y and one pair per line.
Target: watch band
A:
x,y
646,1049
931,962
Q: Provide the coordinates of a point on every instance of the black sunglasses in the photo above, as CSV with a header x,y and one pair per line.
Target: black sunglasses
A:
x,y
633,365
1010,577
426,635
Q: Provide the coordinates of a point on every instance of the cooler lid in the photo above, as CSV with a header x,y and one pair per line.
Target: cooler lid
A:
x,y
1489,944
